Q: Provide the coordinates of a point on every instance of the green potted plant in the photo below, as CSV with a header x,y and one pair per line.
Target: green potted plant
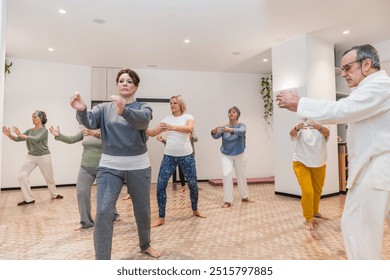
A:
x,y
7,68
266,93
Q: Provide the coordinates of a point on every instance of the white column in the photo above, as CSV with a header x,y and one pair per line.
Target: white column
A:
x,y
306,63
3,24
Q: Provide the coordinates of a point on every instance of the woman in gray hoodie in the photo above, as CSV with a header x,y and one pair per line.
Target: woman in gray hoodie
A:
x,y
125,158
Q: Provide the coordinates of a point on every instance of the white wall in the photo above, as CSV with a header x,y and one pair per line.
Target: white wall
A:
x,y
383,49
3,25
35,84
208,96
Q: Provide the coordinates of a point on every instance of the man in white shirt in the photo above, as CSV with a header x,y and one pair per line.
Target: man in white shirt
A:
x,y
367,112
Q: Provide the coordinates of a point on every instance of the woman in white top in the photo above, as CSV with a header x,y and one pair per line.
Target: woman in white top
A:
x,y
177,152
309,163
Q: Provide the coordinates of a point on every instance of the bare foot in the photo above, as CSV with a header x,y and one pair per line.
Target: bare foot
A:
x,y
247,200
226,205
199,214
183,189
126,197
157,223
309,225
152,252
320,216
78,227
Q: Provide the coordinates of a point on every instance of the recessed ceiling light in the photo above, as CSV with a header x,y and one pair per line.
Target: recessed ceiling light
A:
x,y
62,11
98,20
50,49
152,65
265,59
346,32
187,41
236,53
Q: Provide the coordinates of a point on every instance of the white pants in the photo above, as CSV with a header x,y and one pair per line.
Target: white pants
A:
x,y
239,164
362,223
45,166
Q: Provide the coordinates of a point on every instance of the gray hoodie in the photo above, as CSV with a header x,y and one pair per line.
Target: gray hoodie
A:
x,y
121,135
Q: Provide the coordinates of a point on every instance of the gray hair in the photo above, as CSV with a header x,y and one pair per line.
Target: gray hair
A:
x,y
235,109
366,52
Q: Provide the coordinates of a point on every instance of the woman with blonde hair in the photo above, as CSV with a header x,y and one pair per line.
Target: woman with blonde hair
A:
x,y
177,152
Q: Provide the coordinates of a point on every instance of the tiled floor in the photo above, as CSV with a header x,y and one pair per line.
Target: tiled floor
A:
x,y
269,229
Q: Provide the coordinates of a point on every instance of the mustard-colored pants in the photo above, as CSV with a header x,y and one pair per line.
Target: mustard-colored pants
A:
x,y
311,180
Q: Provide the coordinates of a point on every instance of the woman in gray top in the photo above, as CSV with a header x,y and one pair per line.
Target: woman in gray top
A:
x,y
124,159
38,155
92,151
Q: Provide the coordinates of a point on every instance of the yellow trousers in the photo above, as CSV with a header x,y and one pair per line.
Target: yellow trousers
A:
x,y
311,180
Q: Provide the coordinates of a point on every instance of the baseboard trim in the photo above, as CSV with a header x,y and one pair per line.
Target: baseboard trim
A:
x,y
298,196
38,187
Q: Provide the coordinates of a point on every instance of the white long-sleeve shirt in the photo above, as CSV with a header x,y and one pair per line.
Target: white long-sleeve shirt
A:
x,y
367,112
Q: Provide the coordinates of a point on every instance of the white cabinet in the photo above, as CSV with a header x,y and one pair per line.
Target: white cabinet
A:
x,y
103,83
342,89
98,83
111,82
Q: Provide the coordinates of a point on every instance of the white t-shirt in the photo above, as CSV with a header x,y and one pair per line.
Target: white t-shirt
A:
x,y
178,143
311,148
125,162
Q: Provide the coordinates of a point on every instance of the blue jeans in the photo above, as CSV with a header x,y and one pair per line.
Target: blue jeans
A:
x,y
109,183
168,166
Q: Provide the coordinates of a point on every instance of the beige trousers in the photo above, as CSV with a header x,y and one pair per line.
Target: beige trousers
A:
x,y
45,166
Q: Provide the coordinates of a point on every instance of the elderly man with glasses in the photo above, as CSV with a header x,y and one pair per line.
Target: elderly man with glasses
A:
x,y
367,112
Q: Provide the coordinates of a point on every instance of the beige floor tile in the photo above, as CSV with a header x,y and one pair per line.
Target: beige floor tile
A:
x,y
269,229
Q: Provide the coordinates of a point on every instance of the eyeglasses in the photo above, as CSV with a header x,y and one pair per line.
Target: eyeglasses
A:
x,y
347,67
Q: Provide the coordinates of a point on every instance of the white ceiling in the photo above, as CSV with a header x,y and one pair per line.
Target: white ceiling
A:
x,y
147,33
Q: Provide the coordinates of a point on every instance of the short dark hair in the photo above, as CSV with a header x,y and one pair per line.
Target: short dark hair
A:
x,y
133,75
366,52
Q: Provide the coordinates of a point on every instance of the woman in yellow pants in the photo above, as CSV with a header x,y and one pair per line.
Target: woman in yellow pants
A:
x,y
309,164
